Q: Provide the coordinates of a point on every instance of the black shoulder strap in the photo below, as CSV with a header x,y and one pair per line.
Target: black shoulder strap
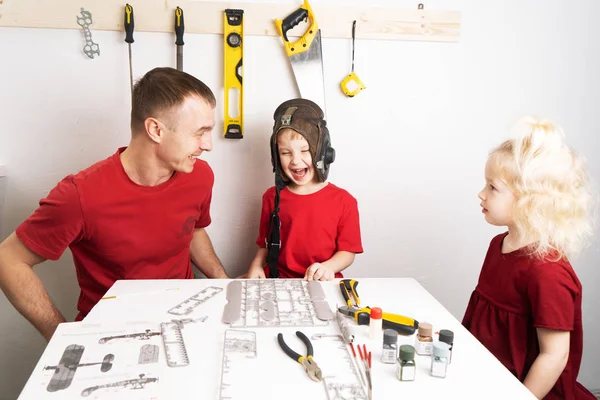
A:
x,y
273,241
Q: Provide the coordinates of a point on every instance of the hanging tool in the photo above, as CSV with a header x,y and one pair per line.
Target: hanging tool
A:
x,y
179,28
309,364
352,85
85,21
128,23
233,33
348,289
305,55
401,324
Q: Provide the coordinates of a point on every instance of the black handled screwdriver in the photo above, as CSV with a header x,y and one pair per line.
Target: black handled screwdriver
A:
x,y
128,23
179,28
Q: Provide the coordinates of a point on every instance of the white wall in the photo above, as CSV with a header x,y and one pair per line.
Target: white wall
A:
x,y
411,147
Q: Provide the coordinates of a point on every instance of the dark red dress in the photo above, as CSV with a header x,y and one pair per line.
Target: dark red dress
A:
x,y
517,294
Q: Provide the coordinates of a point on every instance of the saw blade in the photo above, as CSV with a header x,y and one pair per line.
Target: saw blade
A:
x,y
309,73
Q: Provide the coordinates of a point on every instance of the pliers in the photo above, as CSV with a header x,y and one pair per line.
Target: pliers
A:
x,y
309,364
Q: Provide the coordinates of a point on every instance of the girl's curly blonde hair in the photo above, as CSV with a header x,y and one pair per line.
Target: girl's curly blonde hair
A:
x,y
555,203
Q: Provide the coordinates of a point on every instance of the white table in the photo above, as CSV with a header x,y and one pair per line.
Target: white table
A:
x,y
473,374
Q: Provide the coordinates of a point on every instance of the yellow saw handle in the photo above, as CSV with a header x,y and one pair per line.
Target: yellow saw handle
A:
x,y
292,20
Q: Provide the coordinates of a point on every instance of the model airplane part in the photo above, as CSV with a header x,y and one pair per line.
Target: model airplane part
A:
x,y
188,305
276,302
137,383
138,335
68,364
305,55
233,309
239,357
342,378
317,296
148,354
184,321
175,351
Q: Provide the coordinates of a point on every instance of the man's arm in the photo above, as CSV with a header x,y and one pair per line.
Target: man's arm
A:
x,y
23,287
550,363
204,257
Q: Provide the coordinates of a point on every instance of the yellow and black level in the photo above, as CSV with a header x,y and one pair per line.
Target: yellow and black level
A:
x,y
233,34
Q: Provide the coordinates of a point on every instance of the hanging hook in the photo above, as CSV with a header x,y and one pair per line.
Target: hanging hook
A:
x,y
420,6
353,39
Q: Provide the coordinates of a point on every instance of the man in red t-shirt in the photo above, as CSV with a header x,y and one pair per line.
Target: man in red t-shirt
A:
x,y
316,226
138,214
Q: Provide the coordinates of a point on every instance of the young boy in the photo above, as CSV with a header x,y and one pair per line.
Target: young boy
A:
x,y
314,231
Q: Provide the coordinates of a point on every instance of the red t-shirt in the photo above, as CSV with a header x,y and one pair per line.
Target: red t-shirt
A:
x,y
517,294
313,227
117,229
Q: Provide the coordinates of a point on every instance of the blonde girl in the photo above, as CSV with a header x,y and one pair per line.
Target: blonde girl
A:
x,y
526,307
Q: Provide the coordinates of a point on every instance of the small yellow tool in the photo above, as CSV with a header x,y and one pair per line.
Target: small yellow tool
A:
x,y
233,53
352,85
400,323
349,292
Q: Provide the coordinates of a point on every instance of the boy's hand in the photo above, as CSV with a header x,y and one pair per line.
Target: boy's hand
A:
x,y
319,272
254,273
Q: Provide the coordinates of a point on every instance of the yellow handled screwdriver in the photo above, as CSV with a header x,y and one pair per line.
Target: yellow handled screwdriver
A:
x,y
179,29
128,23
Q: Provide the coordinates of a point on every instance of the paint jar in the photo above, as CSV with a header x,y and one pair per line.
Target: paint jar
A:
x,y
389,352
375,323
407,367
424,339
439,359
447,337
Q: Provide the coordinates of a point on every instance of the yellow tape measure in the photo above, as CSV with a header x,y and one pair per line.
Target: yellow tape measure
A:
x,y
352,85
233,34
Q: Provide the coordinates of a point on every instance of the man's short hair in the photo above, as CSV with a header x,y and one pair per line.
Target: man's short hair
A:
x,y
161,89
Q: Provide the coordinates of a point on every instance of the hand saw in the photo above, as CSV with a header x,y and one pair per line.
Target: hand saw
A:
x,y
234,52
305,54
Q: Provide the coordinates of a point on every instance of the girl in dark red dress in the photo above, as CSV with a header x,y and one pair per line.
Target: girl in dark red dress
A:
x,y
526,308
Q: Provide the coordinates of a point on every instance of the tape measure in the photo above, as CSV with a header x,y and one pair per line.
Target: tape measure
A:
x,y
233,52
352,85
188,305
175,351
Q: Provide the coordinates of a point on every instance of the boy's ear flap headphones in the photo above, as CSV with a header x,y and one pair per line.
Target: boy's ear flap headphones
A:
x,y
306,118
326,154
